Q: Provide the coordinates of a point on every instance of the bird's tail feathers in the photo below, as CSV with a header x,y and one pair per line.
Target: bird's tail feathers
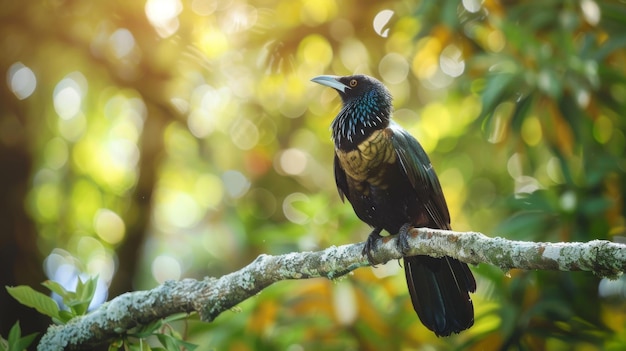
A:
x,y
439,289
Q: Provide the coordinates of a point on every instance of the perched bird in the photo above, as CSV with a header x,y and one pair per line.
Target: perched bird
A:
x,y
386,175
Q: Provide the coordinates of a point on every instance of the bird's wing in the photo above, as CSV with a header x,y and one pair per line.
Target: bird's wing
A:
x,y
340,179
417,167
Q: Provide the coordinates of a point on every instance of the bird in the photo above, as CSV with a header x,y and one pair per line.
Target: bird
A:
x,y
391,184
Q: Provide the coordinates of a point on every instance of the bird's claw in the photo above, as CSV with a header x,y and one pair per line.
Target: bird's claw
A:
x,y
403,238
370,244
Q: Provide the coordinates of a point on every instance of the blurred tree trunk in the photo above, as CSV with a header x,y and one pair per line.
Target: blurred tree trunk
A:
x,y
138,219
20,262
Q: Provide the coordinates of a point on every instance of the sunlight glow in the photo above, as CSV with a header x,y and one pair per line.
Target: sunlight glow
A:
x,y
345,303
291,212
496,40
67,102
21,80
354,54
293,161
166,268
61,267
591,11
315,50
56,153
393,68
526,185
452,180
514,165
531,131
47,201
68,95
203,7
163,15
472,6
239,18
109,226
381,21
316,12
451,61
123,42
123,153
176,208
209,107
208,190
245,134
554,171
235,183
426,61
97,259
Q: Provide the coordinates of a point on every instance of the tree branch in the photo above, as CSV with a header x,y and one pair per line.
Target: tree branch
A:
x,y
212,296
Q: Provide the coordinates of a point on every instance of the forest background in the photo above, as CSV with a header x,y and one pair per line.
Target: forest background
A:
x,y
146,141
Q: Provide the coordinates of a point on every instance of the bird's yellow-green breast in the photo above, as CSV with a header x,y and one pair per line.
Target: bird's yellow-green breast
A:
x,y
369,161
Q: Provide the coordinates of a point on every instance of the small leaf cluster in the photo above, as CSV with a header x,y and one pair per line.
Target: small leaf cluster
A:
x,y
76,302
15,341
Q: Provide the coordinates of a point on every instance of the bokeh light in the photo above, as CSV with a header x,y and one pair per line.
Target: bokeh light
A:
x,y
21,80
122,42
109,226
380,22
291,210
166,267
451,61
176,209
393,68
293,161
60,266
472,5
56,153
68,95
235,183
163,15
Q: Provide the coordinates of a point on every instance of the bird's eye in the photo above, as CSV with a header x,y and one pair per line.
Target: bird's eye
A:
x,y
353,83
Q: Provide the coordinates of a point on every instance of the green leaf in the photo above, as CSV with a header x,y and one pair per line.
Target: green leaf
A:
x,y
522,106
176,317
16,341
168,341
57,288
15,333
85,293
90,288
140,346
173,343
23,343
116,344
65,316
496,91
144,331
28,296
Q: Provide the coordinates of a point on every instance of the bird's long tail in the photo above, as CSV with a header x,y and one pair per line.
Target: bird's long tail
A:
x,y
439,289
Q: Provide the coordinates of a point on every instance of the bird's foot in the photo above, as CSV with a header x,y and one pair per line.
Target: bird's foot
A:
x,y
403,238
370,244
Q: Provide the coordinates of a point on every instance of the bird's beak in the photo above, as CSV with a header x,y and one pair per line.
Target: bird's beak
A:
x,y
331,81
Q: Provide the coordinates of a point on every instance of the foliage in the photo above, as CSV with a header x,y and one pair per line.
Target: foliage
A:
x,y
167,337
181,139
15,341
76,302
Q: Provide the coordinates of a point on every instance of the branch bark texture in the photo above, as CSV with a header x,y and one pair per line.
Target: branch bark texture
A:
x,y
212,296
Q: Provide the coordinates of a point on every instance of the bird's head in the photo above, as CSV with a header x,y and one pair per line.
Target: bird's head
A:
x,y
366,106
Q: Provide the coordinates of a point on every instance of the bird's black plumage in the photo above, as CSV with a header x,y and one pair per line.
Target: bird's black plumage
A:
x,y
386,175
